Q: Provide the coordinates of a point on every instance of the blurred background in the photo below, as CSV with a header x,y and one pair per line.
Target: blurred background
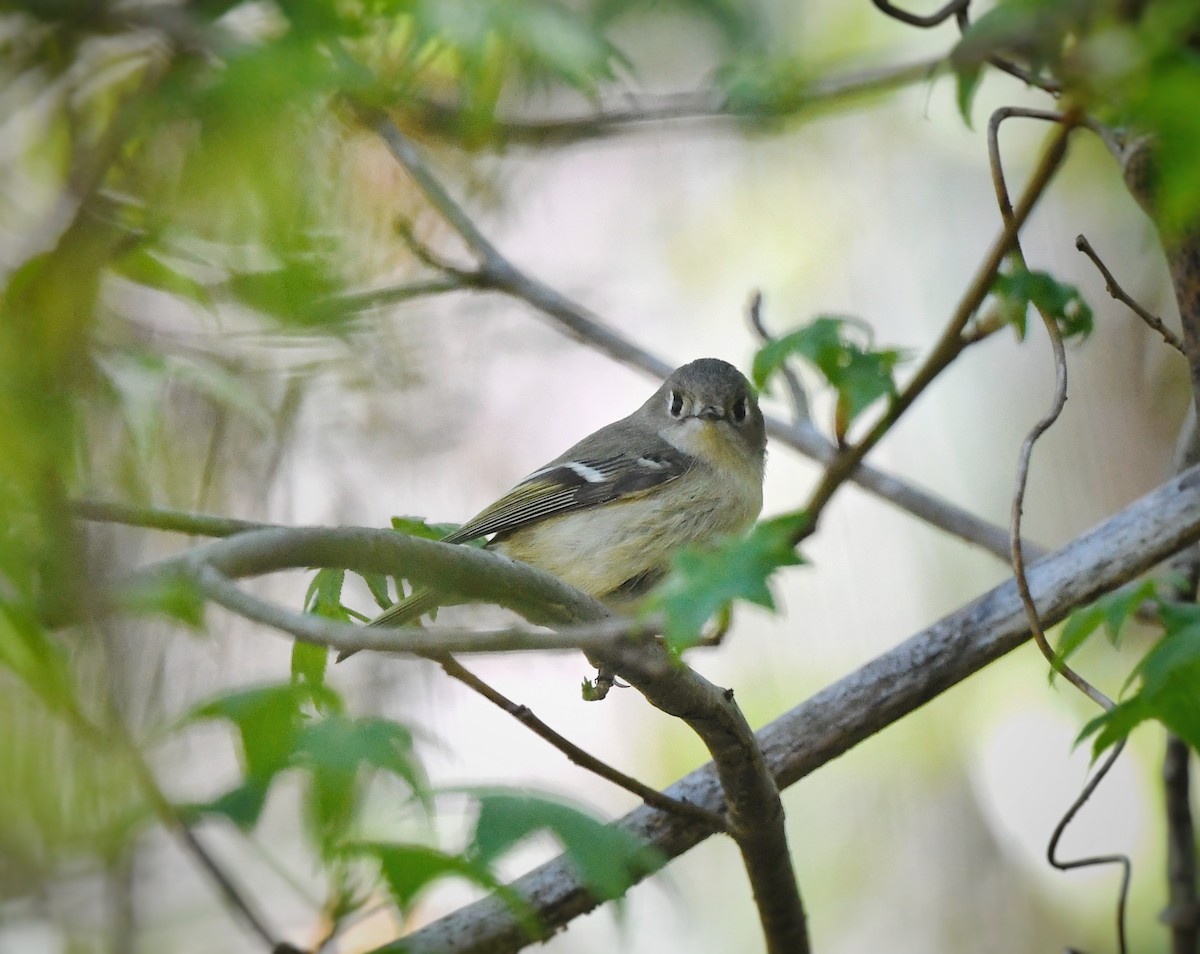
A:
x,y
928,837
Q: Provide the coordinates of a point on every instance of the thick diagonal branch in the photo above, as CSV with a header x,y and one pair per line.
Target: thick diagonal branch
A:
x,y
868,700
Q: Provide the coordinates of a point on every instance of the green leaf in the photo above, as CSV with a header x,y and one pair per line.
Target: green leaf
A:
x,y
377,583
858,373
297,292
706,581
27,650
324,595
242,805
336,751
309,662
1169,675
608,859
1079,626
1111,610
175,596
966,84
268,719
422,528
1062,302
410,869
144,266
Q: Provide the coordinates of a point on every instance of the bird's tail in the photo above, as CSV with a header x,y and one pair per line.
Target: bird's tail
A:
x,y
404,611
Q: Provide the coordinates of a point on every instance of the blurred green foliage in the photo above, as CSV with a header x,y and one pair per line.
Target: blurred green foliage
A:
x,y
842,350
1019,288
203,153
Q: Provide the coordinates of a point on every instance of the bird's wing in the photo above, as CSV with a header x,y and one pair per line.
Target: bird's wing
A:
x,y
575,482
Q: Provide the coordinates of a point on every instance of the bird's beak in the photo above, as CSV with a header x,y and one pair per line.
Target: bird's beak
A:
x,y
710,413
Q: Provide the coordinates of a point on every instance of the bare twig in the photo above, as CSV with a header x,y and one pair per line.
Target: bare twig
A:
x,y
960,11
698,106
939,16
1117,292
159,518
800,411
863,703
396,294
579,756
1048,419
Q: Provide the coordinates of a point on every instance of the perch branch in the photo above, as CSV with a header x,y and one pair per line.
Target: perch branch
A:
x,y
878,694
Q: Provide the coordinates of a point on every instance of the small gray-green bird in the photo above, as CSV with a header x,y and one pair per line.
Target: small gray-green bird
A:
x,y
606,516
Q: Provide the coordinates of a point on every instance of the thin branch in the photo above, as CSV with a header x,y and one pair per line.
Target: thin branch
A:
x,y
415,640
579,756
580,324
951,342
939,16
960,11
184,832
1018,558
1117,292
697,106
863,703
800,409
160,518
396,294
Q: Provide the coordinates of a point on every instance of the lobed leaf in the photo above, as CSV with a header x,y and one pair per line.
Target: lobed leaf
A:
x,y
706,581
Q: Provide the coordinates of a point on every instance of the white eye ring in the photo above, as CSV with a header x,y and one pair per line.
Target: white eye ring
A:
x,y
674,403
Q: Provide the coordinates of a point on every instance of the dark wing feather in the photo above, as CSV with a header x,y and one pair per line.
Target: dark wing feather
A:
x,y
575,482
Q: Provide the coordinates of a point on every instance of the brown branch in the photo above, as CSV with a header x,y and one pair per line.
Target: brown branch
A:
x,y
856,707
951,342
1117,292
939,16
580,757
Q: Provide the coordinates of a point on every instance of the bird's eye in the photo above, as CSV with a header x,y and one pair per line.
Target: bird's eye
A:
x,y
740,410
675,403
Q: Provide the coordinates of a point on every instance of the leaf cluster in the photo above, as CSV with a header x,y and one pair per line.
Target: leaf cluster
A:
x,y
1164,681
842,351
301,728
1019,288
